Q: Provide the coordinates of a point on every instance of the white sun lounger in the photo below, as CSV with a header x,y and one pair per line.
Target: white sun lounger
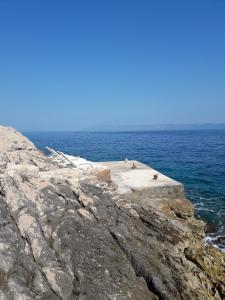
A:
x,y
73,161
76,161
54,155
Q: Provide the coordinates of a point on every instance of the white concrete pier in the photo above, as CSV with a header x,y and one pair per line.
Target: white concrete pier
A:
x,y
135,176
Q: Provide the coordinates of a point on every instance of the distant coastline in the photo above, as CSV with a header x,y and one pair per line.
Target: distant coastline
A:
x,y
130,128
203,126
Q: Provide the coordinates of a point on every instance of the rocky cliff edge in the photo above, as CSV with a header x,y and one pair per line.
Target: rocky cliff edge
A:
x,y
70,235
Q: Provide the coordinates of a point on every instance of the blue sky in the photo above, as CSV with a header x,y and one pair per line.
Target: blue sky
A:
x,y
67,65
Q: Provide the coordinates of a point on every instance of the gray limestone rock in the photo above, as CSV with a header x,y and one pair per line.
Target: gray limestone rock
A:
x,y
69,235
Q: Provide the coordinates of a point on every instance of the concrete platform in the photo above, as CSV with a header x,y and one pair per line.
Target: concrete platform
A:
x,y
129,179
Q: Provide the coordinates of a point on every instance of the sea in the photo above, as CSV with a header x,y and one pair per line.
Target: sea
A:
x,y
195,158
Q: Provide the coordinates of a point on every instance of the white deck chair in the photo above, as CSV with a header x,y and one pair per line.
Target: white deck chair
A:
x,y
58,158
73,161
54,155
77,161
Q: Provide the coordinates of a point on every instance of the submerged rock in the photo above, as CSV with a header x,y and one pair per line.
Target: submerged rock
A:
x,y
67,234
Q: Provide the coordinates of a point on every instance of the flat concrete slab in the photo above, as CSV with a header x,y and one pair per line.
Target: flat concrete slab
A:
x,y
135,176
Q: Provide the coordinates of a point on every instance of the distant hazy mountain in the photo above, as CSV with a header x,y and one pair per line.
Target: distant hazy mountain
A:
x,y
158,127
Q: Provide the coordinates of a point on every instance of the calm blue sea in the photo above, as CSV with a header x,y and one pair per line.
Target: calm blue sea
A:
x,y
195,158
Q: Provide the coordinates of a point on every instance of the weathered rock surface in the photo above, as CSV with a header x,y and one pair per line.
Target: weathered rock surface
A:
x,y
70,235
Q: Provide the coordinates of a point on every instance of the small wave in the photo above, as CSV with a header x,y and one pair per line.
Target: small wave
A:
x,y
211,198
205,209
218,241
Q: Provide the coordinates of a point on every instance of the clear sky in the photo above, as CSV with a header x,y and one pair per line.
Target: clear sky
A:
x,y
67,65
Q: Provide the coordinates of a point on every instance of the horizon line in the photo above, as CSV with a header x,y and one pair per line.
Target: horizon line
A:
x,y
127,128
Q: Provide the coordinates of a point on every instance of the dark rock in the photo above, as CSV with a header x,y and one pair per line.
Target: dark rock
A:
x,y
210,228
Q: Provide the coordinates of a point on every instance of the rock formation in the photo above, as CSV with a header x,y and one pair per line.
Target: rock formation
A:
x,y
67,234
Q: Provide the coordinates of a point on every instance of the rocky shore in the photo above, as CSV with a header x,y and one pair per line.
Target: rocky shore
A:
x,y
67,234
